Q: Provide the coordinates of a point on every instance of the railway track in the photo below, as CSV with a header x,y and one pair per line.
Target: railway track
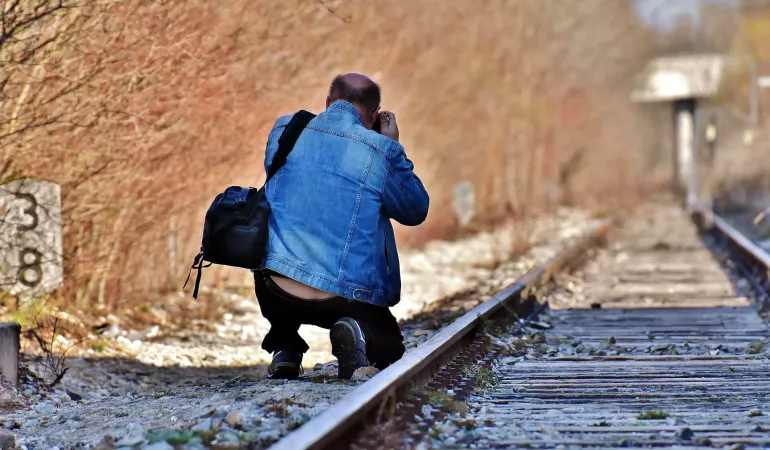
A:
x,y
655,341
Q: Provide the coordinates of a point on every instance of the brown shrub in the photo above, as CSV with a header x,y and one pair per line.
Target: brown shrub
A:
x,y
144,110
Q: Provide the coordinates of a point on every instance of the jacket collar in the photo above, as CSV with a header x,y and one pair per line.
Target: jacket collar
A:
x,y
342,105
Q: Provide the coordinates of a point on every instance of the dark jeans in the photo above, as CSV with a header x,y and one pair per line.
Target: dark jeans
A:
x,y
286,312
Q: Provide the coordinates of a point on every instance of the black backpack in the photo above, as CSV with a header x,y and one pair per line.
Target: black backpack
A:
x,y
235,230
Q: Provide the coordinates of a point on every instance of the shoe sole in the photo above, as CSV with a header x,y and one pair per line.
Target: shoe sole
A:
x,y
344,348
284,371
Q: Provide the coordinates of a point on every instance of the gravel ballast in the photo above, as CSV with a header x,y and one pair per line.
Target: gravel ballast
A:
x,y
208,388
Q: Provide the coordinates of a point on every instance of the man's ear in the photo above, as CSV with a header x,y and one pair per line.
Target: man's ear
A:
x,y
328,101
375,113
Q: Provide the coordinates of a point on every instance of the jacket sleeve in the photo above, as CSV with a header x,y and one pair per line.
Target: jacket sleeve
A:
x,y
271,147
268,155
404,198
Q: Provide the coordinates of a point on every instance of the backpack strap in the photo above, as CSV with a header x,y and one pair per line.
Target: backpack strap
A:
x,y
198,265
287,140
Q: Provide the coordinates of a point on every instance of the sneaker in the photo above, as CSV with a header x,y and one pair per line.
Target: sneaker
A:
x,y
349,346
286,365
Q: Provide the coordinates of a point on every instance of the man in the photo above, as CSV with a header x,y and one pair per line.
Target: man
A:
x,y
331,259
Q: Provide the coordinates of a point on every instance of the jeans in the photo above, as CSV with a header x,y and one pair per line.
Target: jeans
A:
x,y
286,312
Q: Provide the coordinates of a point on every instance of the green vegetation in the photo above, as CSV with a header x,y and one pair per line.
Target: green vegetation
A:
x,y
469,370
438,398
755,413
485,379
414,389
441,399
165,393
449,318
98,345
755,348
652,415
466,424
279,407
497,329
435,432
181,437
519,346
27,312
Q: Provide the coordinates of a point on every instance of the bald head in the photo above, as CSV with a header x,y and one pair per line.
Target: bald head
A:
x,y
357,89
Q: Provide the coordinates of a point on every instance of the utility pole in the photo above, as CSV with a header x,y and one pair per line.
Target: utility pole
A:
x,y
753,95
691,203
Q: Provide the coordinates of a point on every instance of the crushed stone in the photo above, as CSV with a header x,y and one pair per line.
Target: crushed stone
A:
x,y
208,387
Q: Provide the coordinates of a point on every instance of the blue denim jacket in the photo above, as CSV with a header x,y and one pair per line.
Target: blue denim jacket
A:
x,y
332,203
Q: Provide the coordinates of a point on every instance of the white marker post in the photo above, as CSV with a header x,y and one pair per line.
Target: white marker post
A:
x,y
30,238
464,202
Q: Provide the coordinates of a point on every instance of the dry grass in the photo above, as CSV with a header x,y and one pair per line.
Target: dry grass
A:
x,y
47,334
144,110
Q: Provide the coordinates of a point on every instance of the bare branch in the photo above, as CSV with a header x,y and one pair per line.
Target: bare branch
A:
x,y
34,18
334,12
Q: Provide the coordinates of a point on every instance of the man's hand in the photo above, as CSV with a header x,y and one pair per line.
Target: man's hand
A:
x,y
388,125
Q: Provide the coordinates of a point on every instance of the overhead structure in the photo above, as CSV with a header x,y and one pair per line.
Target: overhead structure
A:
x,y
688,77
683,81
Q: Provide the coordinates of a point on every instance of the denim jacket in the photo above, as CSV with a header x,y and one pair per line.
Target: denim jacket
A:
x,y
331,206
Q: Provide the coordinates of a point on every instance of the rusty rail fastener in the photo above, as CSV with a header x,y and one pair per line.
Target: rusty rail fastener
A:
x,y
9,351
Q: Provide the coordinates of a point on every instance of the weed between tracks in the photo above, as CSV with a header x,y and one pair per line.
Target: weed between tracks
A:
x,y
755,348
446,408
497,329
442,399
280,407
166,393
653,415
485,379
177,437
466,424
438,398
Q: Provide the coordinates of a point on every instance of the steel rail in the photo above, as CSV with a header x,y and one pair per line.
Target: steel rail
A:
x,y
759,275
742,241
352,409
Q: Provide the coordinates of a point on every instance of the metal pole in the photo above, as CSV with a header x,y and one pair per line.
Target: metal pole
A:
x,y
753,95
692,186
685,126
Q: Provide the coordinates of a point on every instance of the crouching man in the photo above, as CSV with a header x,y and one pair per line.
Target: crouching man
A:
x,y
331,259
